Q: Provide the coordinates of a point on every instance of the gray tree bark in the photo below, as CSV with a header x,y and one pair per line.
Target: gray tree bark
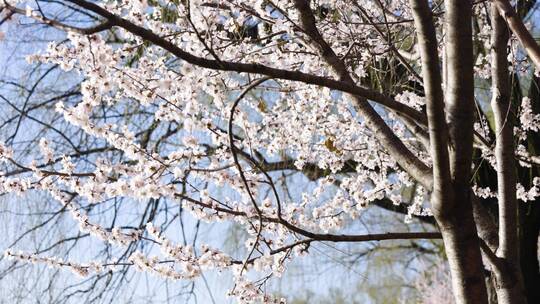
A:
x,y
509,282
456,218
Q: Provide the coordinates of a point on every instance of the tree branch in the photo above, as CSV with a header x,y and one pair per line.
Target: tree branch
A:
x,y
508,291
518,28
255,68
442,195
405,158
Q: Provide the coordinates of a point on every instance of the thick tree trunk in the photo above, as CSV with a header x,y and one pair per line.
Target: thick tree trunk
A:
x,y
509,282
451,197
463,251
456,219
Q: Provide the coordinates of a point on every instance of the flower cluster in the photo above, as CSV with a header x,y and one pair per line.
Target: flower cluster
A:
x,y
82,270
529,120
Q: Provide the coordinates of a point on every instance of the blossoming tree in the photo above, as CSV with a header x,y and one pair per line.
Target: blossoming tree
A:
x,y
372,100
